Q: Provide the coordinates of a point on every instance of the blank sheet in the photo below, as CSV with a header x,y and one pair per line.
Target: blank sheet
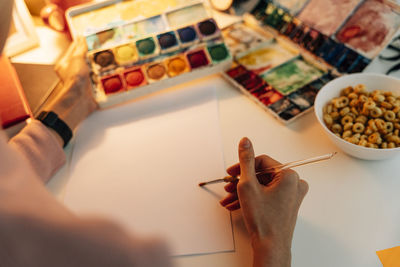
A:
x,y
140,165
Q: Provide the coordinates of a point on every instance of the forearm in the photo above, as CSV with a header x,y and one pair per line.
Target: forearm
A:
x,y
41,148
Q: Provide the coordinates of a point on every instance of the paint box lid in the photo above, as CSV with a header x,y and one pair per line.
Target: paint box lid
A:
x,y
13,104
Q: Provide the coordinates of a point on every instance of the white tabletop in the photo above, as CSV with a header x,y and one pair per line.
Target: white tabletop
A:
x,y
352,208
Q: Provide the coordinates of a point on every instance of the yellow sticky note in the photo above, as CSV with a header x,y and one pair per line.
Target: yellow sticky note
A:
x,y
390,257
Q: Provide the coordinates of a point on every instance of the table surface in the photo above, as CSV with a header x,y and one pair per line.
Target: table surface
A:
x,y
351,210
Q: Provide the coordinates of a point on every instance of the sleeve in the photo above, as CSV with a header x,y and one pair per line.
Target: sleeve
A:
x,y
40,148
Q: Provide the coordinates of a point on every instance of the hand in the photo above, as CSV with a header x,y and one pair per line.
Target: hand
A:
x,y
75,101
269,211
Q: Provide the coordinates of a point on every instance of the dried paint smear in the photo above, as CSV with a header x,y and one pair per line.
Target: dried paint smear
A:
x,y
294,6
370,28
327,15
292,76
265,58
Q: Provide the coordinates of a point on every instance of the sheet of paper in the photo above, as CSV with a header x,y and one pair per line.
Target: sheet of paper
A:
x,y
389,257
140,164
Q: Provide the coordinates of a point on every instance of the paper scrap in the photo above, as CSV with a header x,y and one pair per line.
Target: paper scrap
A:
x,y
390,257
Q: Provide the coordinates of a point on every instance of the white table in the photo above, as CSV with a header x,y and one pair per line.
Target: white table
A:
x,y
351,210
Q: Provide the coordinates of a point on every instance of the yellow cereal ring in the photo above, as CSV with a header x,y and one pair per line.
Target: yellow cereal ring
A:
x,y
369,105
337,128
378,98
335,115
344,101
344,111
328,119
354,111
328,108
391,145
376,112
336,103
360,88
389,115
346,119
384,145
370,145
352,96
348,126
363,142
362,119
347,134
391,99
368,131
358,127
348,90
388,93
363,98
397,125
389,127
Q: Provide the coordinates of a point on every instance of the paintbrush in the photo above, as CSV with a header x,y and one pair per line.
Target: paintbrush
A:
x,y
274,169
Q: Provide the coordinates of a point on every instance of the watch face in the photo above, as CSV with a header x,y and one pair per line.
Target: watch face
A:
x,y
222,5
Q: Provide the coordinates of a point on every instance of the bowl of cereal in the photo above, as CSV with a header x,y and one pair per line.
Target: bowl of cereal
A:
x,y
360,113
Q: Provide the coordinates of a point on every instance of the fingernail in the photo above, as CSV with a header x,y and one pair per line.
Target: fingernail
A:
x,y
245,143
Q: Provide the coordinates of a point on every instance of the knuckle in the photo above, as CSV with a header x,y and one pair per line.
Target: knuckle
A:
x,y
303,187
246,155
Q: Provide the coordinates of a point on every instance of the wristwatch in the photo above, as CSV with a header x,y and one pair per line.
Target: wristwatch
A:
x,y
51,120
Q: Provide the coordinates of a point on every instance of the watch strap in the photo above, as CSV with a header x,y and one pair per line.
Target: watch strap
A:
x,y
51,120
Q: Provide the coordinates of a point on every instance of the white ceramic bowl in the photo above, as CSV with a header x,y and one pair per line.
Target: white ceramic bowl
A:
x,y
332,90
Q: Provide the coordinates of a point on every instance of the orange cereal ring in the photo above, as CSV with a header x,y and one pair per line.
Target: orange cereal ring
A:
x,y
374,138
386,105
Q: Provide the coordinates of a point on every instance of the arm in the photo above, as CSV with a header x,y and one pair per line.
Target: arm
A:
x,y
270,211
38,231
42,146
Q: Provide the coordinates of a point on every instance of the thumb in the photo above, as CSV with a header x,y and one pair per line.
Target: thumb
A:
x,y
247,161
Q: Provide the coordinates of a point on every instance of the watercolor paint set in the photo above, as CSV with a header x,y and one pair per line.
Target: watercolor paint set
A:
x,y
137,56
285,51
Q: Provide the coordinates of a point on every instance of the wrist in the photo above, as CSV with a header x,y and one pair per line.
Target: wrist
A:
x,y
270,252
73,105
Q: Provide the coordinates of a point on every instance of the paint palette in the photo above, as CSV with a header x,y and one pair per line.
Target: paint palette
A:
x,y
145,55
286,50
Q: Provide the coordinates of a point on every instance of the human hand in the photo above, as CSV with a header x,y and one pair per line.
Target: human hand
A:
x,y
269,211
75,101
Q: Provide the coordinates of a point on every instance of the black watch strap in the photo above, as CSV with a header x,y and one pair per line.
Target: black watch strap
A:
x,y
51,120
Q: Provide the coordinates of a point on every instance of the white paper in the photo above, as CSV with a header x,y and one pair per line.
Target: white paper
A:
x,y
140,164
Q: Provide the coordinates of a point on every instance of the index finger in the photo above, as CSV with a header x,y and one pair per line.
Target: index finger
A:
x,y
261,162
